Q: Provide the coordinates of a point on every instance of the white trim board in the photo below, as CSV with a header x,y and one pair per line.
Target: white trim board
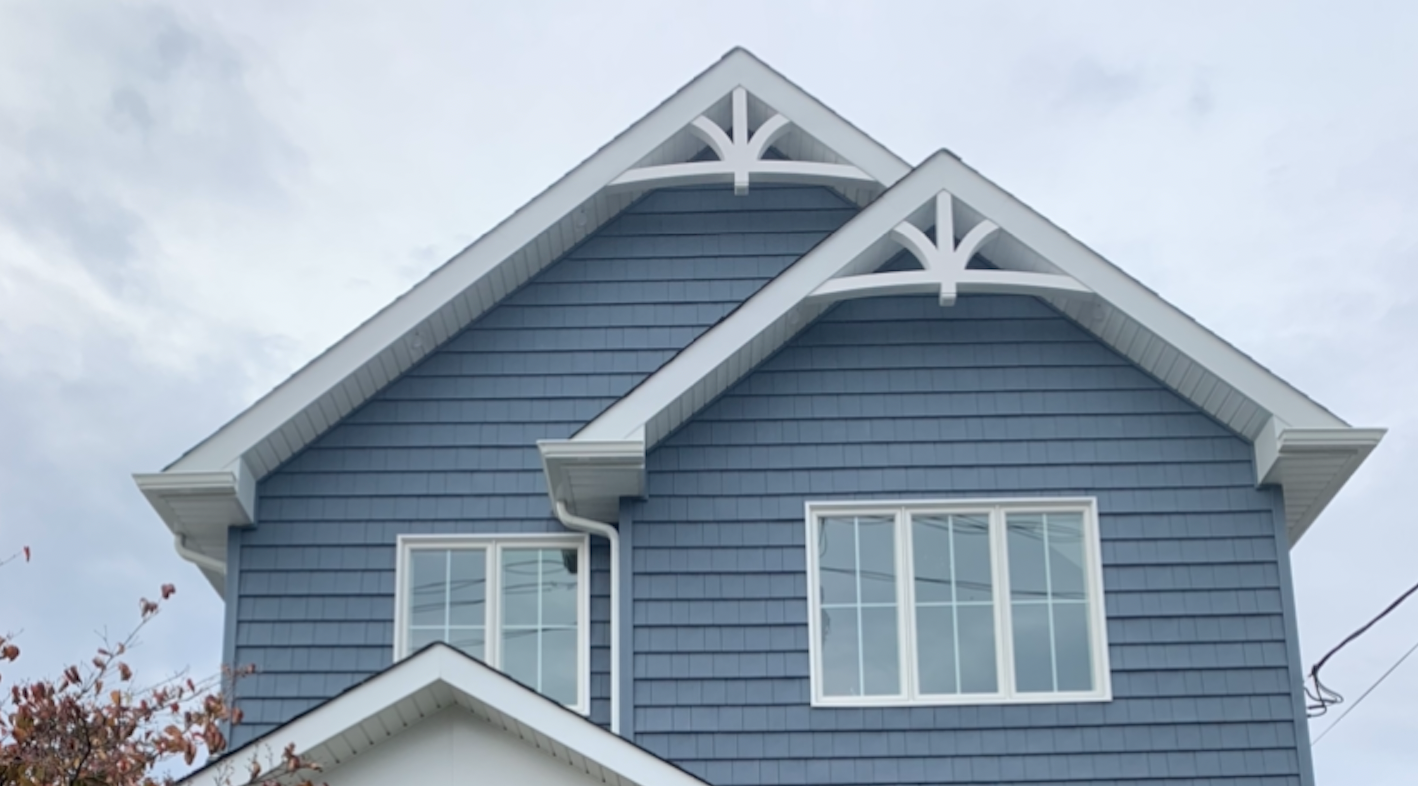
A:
x,y
1122,312
1033,255
485,256
377,352
428,682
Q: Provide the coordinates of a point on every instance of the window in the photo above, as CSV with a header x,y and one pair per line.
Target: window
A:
x,y
956,603
518,604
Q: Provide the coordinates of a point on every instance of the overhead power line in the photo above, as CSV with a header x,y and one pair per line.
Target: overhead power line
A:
x,y
1360,700
1320,695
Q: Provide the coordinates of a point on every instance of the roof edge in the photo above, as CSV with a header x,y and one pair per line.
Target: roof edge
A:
x,y
1310,465
426,683
485,255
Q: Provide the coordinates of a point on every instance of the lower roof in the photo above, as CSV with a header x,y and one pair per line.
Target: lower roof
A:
x,y
428,682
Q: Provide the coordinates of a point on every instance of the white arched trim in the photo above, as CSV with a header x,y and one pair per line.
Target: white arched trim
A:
x,y
741,158
921,282
944,267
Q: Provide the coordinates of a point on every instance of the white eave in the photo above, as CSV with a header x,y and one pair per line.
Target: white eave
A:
x,y
737,108
431,681
591,477
1311,465
315,398
1284,425
199,508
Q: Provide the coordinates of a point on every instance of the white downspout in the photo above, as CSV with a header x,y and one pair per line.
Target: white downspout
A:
x,y
574,522
213,564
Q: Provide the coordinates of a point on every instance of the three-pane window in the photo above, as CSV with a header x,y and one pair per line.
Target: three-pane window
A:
x,y
956,603
519,605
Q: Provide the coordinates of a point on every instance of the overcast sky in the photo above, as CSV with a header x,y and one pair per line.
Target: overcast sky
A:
x,y
196,199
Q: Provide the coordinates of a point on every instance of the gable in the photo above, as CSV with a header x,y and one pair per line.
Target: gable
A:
x,y
742,125
996,397
1298,444
444,704
212,486
447,746
1000,395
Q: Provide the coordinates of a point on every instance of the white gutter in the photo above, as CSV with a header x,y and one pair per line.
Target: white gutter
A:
x,y
574,522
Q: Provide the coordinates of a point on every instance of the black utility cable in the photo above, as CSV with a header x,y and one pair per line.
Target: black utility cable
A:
x,y
1320,695
1360,700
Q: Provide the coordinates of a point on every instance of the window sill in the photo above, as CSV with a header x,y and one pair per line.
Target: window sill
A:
x,y
960,701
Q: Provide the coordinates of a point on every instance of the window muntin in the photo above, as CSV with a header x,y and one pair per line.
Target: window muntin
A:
x,y
858,568
992,602
954,603
518,604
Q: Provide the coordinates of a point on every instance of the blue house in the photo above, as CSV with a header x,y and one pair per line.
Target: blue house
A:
x,y
748,453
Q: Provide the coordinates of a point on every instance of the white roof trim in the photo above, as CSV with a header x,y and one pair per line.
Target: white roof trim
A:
x,y
741,157
772,316
199,507
1312,465
316,397
775,302
404,316
429,682
591,477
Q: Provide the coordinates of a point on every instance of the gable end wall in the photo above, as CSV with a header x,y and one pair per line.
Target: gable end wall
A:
x,y
450,447
998,396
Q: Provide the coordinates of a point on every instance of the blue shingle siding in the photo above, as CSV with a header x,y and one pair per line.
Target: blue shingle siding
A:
x,y
450,446
997,396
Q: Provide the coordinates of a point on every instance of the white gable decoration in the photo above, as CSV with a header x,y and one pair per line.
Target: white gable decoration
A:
x,y
943,266
210,487
740,157
739,110
1299,445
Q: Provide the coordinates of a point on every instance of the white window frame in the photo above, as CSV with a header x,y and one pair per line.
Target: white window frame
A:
x,y
995,509
494,545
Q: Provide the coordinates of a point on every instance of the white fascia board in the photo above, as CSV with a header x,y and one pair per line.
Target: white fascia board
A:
x,y
608,470
737,68
1131,297
442,665
1296,458
201,506
234,489
944,171
1279,442
628,416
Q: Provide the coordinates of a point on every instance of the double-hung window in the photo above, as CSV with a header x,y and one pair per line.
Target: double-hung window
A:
x,y
956,603
519,604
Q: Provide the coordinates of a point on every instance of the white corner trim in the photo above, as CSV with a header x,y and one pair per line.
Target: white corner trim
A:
x,y
440,668
482,258
741,158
